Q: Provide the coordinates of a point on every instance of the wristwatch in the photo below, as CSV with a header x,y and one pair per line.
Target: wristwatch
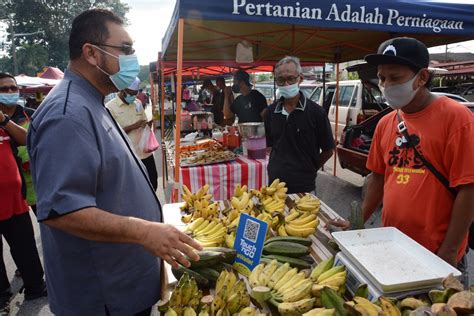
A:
x,y
5,120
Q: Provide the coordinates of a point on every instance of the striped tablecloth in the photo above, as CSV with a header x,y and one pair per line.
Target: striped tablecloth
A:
x,y
224,177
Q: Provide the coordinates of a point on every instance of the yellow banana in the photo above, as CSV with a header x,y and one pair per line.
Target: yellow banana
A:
x,y
321,312
230,240
279,273
296,308
295,279
267,273
329,273
198,225
301,292
206,229
285,279
303,219
299,232
292,215
254,275
282,230
388,307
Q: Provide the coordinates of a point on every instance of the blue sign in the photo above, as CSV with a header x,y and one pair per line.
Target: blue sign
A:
x,y
249,241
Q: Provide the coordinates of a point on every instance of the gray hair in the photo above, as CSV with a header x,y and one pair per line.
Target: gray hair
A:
x,y
290,59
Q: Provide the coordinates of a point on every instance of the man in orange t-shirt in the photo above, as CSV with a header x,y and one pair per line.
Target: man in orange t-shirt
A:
x,y
442,130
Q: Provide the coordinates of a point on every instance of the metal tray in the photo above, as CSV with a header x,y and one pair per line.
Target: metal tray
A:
x,y
393,261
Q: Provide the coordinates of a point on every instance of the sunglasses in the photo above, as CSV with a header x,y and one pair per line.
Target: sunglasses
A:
x,y
125,48
5,89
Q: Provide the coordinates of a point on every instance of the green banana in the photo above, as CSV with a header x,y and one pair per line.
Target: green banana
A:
x,y
330,299
322,267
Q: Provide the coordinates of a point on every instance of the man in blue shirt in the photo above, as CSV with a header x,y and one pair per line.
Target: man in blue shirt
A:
x,y
100,218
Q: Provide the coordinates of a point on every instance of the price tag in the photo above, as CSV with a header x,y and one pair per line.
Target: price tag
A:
x,y
249,242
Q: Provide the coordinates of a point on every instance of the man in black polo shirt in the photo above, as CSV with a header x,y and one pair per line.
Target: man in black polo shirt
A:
x,y
297,130
250,105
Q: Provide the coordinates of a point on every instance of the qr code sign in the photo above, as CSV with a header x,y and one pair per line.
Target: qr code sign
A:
x,y
251,230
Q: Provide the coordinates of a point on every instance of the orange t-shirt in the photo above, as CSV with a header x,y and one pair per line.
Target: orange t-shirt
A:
x,y
414,200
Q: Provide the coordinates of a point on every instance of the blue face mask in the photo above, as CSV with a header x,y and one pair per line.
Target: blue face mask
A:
x,y
128,70
9,99
130,98
289,91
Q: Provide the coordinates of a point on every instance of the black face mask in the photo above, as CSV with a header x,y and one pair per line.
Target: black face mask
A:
x,y
235,88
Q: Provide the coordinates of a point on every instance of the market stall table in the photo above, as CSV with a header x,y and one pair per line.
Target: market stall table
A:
x,y
321,248
222,178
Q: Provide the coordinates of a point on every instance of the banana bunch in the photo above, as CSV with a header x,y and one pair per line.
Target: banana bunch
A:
x,y
364,307
230,239
202,209
188,197
321,312
291,291
308,203
335,278
239,190
231,296
185,298
209,233
276,189
242,203
298,224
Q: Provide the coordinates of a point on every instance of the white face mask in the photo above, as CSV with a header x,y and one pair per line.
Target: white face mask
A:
x,y
399,95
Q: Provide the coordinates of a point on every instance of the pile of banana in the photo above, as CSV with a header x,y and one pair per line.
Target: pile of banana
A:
x,y
230,298
296,223
184,300
291,250
242,200
209,233
273,197
308,203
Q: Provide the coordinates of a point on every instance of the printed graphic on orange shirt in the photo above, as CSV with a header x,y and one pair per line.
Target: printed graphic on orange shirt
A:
x,y
403,160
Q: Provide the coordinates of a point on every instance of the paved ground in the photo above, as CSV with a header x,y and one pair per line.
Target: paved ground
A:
x,y
338,192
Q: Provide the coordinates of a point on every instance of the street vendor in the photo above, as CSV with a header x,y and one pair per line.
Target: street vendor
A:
x,y
297,130
250,105
224,98
415,200
100,219
130,114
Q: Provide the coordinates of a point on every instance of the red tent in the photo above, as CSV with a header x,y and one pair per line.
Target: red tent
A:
x,y
52,73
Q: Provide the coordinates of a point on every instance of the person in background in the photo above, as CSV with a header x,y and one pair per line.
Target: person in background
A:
x,y
250,105
298,132
15,221
21,116
143,97
101,222
129,113
208,92
224,98
415,200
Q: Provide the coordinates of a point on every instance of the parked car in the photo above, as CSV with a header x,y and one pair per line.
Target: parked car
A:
x,y
451,96
358,99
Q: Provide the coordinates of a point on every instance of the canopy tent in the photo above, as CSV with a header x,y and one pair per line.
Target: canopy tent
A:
x,y
29,84
315,31
52,73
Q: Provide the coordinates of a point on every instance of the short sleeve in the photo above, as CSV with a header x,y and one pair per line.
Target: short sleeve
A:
x,y
375,162
262,102
268,127
65,166
458,155
326,140
233,106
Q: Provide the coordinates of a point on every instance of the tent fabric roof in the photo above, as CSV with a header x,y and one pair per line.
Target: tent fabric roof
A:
x,y
323,31
52,73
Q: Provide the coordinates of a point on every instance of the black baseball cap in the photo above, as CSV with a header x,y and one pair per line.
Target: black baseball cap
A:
x,y
401,51
241,75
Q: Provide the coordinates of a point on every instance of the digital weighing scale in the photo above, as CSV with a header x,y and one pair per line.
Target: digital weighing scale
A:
x,y
355,278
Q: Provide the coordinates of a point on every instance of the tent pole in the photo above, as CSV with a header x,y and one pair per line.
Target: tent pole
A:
x,y
337,118
177,138
162,118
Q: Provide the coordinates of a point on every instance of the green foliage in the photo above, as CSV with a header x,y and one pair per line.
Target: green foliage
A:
x,y
144,76
352,76
54,18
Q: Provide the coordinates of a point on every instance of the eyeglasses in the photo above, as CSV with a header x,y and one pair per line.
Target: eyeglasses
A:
x,y
125,48
290,80
5,89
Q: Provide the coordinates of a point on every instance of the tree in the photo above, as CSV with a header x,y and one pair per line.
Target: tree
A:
x,y
31,59
144,76
54,18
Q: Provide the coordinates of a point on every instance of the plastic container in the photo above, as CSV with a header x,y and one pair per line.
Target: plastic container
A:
x,y
257,147
391,260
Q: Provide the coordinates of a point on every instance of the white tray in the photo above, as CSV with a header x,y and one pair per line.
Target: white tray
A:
x,y
393,261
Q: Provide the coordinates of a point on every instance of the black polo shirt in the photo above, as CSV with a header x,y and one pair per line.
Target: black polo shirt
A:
x,y
297,140
248,107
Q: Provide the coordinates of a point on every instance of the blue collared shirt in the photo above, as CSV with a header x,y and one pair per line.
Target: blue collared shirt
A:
x,y
81,158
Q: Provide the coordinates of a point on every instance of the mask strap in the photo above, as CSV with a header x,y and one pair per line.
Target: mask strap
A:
x,y
105,72
104,51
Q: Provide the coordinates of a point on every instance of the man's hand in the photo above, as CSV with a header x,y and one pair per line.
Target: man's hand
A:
x,y
134,126
340,223
170,244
